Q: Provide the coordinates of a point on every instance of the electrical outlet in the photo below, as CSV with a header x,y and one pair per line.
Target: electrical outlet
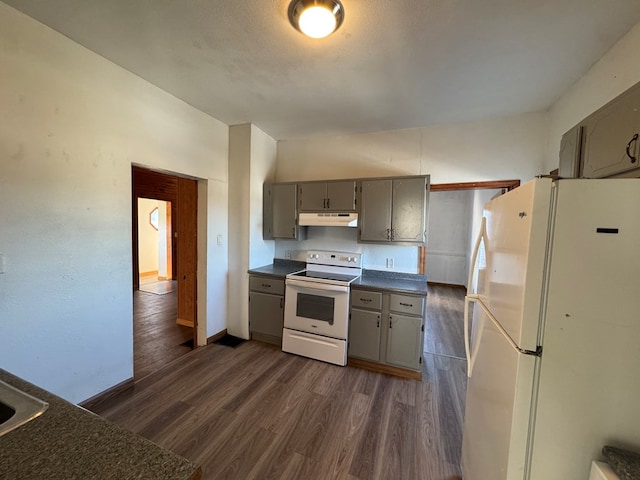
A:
x,y
287,254
389,262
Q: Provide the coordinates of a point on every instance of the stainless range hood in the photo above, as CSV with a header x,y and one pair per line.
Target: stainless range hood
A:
x,y
328,219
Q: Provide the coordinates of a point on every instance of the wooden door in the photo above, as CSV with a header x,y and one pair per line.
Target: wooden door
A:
x,y
186,241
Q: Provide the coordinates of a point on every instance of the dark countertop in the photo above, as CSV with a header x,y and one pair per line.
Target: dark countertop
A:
x,y
397,282
626,464
369,280
70,443
279,268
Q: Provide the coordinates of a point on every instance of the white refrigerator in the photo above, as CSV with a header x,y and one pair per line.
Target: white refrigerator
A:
x,y
552,330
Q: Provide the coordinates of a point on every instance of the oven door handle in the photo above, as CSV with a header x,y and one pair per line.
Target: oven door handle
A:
x,y
314,287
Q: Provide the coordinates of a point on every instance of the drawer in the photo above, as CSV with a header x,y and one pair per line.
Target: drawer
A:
x,y
366,299
266,285
409,304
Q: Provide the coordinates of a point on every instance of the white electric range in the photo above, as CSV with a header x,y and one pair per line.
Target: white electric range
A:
x,y
316,311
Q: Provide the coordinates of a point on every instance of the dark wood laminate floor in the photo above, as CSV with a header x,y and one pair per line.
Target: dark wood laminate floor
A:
x,y
157,340
444,327
254,412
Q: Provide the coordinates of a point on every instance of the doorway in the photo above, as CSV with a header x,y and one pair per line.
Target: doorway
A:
x,y
164,245
455,213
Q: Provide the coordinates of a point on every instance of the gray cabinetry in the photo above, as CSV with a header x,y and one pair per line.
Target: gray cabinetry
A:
x,y
606,143
280,215
405,337
571,153
365,325
394,210
611,137
387,328
364,334
335,196
266,308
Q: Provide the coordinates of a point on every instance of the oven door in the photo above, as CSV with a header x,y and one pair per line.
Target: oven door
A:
x,y
319,308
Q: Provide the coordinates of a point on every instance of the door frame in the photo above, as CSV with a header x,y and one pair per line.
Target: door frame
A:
x,y
505,185
149,183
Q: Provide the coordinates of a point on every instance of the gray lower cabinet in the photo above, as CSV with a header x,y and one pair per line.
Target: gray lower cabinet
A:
x,y
404,341
266,309
387,328
364,334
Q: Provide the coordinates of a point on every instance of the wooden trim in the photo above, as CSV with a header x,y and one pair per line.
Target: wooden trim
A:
x,y
422,260
184,323
150,273
102,397
216,336
505,184
382,368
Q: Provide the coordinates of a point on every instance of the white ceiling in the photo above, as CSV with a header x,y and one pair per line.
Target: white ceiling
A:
x,y
393,64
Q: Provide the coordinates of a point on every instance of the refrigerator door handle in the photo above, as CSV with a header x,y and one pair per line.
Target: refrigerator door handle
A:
x,y
476,248
537,352
467,346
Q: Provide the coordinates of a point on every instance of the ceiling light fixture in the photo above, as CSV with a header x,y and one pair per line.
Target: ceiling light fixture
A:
x,y
316,18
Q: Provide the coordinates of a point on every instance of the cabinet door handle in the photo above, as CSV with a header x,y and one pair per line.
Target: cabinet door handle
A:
x,y
324,203
388,234
393,234
410,305
390,321
328,202
365,299
293,232
631,157
281,302
378,322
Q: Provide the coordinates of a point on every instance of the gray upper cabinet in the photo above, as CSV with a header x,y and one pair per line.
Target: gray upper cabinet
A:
x,y
335,196
610,143
571,153
394,210
280,215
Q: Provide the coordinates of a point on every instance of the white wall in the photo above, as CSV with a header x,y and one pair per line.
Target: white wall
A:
x,y
71,125
614,73
449,224
496,149
252,156
147,237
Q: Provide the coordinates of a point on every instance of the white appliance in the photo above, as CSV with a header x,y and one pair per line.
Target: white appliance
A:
x,y
328,219
554,349
316,310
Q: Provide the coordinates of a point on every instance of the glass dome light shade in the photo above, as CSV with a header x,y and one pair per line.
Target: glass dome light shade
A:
x,y
317,22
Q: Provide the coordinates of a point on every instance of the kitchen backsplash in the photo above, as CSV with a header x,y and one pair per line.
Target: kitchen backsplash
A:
x,y
375,257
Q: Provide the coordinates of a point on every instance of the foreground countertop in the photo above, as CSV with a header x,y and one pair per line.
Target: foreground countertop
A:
x,y
279,268
369,280
397,282
70,443
625,463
